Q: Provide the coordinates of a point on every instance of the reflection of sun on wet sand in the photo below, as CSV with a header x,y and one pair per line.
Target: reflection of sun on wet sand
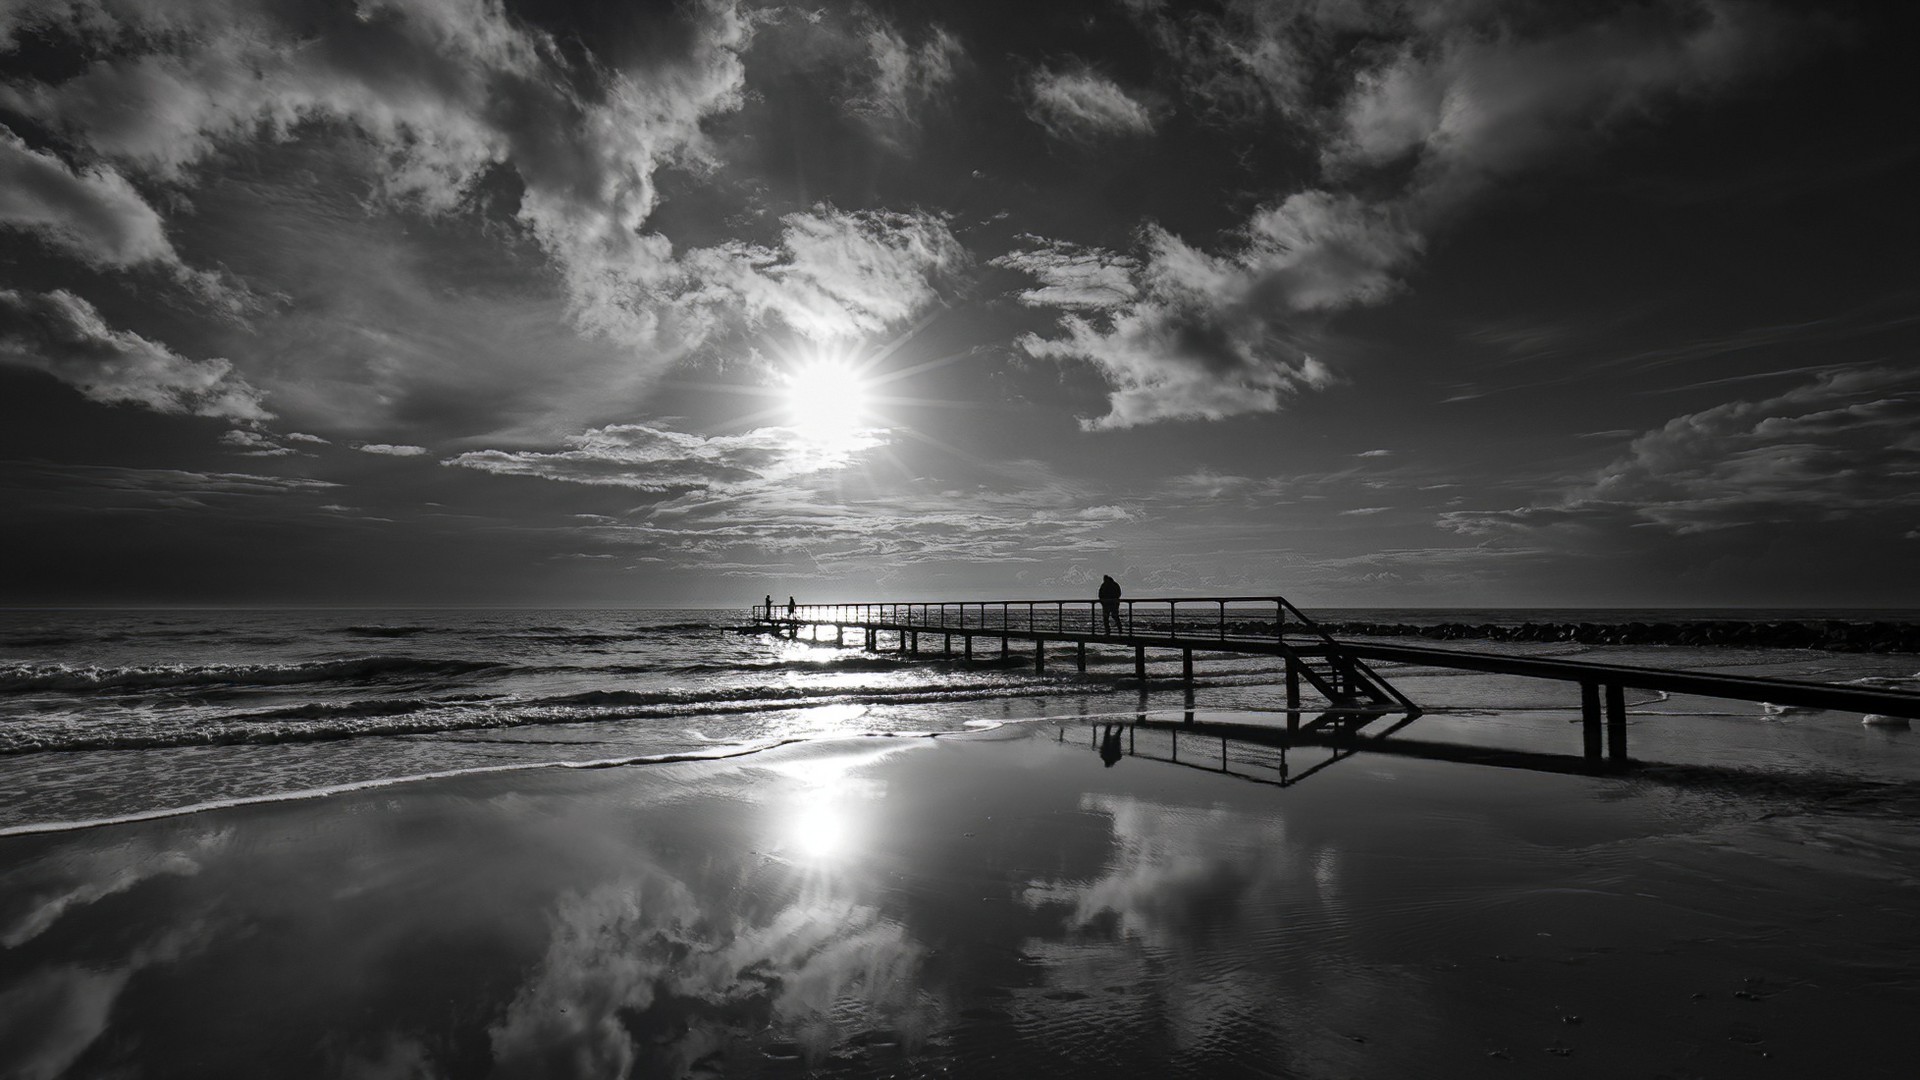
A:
x,y
992,905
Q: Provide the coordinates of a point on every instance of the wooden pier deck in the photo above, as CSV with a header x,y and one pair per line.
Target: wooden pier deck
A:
x,y
1272,626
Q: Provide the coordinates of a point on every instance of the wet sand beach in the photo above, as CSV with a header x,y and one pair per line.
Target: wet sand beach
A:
x,y
999,904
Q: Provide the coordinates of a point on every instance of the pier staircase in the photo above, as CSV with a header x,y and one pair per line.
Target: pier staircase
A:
x,y
1345,680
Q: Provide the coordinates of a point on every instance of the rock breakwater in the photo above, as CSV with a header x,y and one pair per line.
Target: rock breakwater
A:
x,y
1831,635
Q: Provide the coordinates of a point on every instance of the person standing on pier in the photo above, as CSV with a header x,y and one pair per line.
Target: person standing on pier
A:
x,y
1109,602
769,607
790,607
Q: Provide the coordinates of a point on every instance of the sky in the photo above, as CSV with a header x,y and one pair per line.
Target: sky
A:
x,y
1452,304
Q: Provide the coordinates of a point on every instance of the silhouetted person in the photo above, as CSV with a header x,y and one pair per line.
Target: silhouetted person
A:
x,y
769,605
1109,602
1110,751
790,607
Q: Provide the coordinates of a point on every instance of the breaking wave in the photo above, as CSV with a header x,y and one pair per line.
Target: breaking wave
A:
x,y
31,676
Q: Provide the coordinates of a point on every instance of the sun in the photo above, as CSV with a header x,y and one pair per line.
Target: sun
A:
x,y
827,399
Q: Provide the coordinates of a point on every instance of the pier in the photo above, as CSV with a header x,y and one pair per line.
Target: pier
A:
x,y
1354,694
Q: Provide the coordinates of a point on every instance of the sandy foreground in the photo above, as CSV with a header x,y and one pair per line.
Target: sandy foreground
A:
x,y
1002,904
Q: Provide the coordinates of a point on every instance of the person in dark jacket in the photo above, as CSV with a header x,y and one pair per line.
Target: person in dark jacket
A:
x,y
1109,602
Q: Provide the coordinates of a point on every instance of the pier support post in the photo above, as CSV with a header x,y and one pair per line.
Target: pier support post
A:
x,y
946,649
1186,666
1039,655
1590,719
1293,688
1140,662
839,633
913,642
1083,655
1616,723
966,643
1003,649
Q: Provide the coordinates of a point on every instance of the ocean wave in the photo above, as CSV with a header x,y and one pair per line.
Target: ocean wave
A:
x,y
49,639
838,663
31,676
565,635
387,631
573,637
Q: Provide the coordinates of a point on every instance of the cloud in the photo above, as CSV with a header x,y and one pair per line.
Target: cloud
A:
x,y
117,488
62,335
95,214
836,275
1084,104
195,74
826,524
1471,100
1072,277
658,460
256,444
1842,446
905,78
392,449
1199,336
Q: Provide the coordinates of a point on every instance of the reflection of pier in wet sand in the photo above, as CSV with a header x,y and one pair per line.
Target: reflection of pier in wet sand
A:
x,y
1315,662
1272,753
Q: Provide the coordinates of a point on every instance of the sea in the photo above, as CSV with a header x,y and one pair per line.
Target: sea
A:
x,y
110,716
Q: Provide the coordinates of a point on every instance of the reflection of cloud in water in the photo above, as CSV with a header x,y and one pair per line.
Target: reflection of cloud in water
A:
x,y
38,893
394,1057
642,975
1180,875
1216,928
49,1018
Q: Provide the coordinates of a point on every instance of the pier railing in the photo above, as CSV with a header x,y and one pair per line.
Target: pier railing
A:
x,y
1224,624
1219,618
